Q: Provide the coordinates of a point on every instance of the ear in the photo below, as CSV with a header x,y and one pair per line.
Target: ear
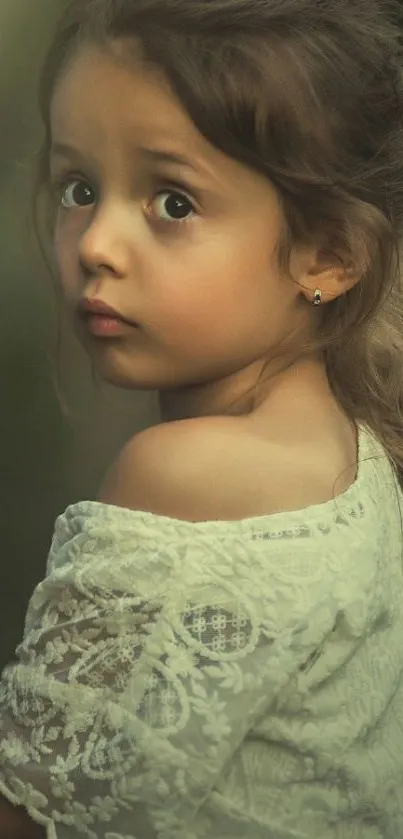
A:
x,y
329,273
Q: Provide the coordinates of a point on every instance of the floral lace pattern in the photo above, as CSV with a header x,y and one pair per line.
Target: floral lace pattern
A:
x,y
215,680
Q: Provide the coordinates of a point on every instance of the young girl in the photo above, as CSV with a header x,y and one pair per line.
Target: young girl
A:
x,y
216,649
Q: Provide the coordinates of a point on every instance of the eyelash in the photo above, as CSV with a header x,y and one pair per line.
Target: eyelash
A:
x,y
59,184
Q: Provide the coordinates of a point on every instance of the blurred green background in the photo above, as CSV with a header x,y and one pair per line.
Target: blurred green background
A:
x,y
47,460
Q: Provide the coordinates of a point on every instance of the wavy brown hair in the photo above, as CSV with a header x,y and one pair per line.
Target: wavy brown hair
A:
x,y
310,94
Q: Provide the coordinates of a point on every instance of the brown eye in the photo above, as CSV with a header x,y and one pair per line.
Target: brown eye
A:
x,y
177,206
76,193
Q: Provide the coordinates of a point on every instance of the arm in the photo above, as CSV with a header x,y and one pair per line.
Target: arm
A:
x,y
15,823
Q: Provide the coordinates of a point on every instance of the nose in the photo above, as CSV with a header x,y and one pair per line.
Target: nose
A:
x,y
103,246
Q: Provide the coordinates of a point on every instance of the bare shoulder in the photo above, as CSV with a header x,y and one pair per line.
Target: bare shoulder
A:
x,y
213,469
166,469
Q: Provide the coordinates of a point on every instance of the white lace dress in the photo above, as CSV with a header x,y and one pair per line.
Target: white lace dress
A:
x,y
215,680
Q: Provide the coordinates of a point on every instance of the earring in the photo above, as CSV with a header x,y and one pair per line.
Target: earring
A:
x,y
317,300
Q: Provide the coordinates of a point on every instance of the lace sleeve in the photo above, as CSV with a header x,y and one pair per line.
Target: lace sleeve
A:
x,y
142,668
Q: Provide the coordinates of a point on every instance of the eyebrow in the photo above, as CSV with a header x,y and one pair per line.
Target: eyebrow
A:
x,y
154,154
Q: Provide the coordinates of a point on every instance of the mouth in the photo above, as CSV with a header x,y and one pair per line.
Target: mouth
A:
x,y
103,321
106,326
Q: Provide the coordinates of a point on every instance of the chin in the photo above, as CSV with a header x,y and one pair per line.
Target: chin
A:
x,y
122,376
106,364
116,378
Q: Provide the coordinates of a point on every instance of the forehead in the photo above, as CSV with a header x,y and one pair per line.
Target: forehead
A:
x,y
107,90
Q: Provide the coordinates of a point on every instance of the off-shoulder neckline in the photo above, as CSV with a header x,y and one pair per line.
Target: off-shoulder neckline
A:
x,y
349,501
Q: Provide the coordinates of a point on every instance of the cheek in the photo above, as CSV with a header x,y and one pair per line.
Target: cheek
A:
x,y
212,297
65,253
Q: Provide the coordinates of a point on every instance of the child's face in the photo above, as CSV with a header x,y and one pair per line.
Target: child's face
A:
x,y
206,293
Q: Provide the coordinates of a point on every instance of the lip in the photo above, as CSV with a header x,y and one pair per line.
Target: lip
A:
x,y
106,326
102,320
89,306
